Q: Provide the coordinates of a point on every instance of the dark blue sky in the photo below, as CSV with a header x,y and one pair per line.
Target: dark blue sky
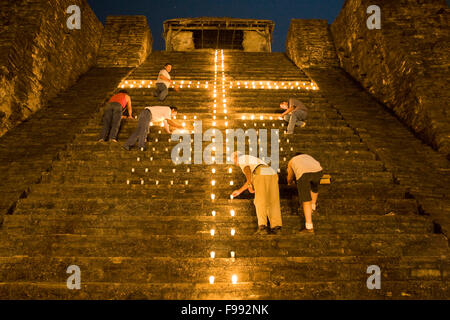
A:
x,y
280,11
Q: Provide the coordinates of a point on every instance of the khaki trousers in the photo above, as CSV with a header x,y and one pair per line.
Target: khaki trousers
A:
x,y
267,198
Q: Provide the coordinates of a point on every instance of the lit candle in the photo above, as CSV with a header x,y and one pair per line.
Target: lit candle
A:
x,y
212,232
128,181
213,196
213,254
213,213
232,254
234,279
213,182
211,280
233,232
232,213
132,169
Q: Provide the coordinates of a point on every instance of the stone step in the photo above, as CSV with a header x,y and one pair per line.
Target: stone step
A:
x,y
241,291
136,190
185,207
160,270
184,225
244,245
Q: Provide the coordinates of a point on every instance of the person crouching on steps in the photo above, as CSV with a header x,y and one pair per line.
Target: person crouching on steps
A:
x,y
151,114
307,172
295,114
118,107
163,83
262,180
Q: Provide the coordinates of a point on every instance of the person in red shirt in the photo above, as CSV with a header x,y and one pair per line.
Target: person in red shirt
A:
x,y
118,107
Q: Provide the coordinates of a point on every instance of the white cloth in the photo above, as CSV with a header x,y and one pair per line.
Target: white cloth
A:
x,y
166,74
159,114
304,163
253,162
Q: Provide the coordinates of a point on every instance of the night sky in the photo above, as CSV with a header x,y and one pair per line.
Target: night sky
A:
x,y
279,11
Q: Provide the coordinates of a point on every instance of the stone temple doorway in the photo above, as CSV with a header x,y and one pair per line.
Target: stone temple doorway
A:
x,y
189,34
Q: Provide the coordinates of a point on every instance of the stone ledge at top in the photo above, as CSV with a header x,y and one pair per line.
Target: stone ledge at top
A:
x,y
309,44
126,42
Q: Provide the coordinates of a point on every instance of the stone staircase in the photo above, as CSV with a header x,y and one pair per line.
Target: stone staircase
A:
x,y
139,226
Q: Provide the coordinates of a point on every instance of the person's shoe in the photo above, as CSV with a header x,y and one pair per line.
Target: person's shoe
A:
x,y
113,140
306,231
302,124
262,230
276,231
101,141
126,147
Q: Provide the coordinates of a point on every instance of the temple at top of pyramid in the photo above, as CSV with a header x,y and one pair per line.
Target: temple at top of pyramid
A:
x,y
188,34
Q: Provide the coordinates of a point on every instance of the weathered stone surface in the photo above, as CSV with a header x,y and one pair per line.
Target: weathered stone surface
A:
x,y
309,44
414,165
255,42
40,56
152,240
183,41
405,64
126,42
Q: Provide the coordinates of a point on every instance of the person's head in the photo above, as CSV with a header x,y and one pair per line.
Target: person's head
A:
x,y
174,110
168,67
123,91
284,104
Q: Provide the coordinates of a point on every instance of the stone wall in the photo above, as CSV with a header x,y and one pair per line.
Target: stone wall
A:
x,y
309,44
39,55
183,41
405,64
126,42
255,42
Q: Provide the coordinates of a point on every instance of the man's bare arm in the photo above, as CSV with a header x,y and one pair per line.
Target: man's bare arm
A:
x,y
290,176
130,109
174,124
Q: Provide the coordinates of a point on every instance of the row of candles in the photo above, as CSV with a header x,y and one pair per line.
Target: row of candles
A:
x,y
271,85
234,277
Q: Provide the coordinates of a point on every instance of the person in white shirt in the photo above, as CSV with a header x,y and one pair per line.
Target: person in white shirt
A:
x,y
262,180
151,114
163,83
307,172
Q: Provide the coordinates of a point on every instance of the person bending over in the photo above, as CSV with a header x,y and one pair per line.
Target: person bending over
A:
x,y
307,172
118,107
151,114
262,180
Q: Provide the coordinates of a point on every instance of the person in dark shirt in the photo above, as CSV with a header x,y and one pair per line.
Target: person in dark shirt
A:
x,y
295,114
